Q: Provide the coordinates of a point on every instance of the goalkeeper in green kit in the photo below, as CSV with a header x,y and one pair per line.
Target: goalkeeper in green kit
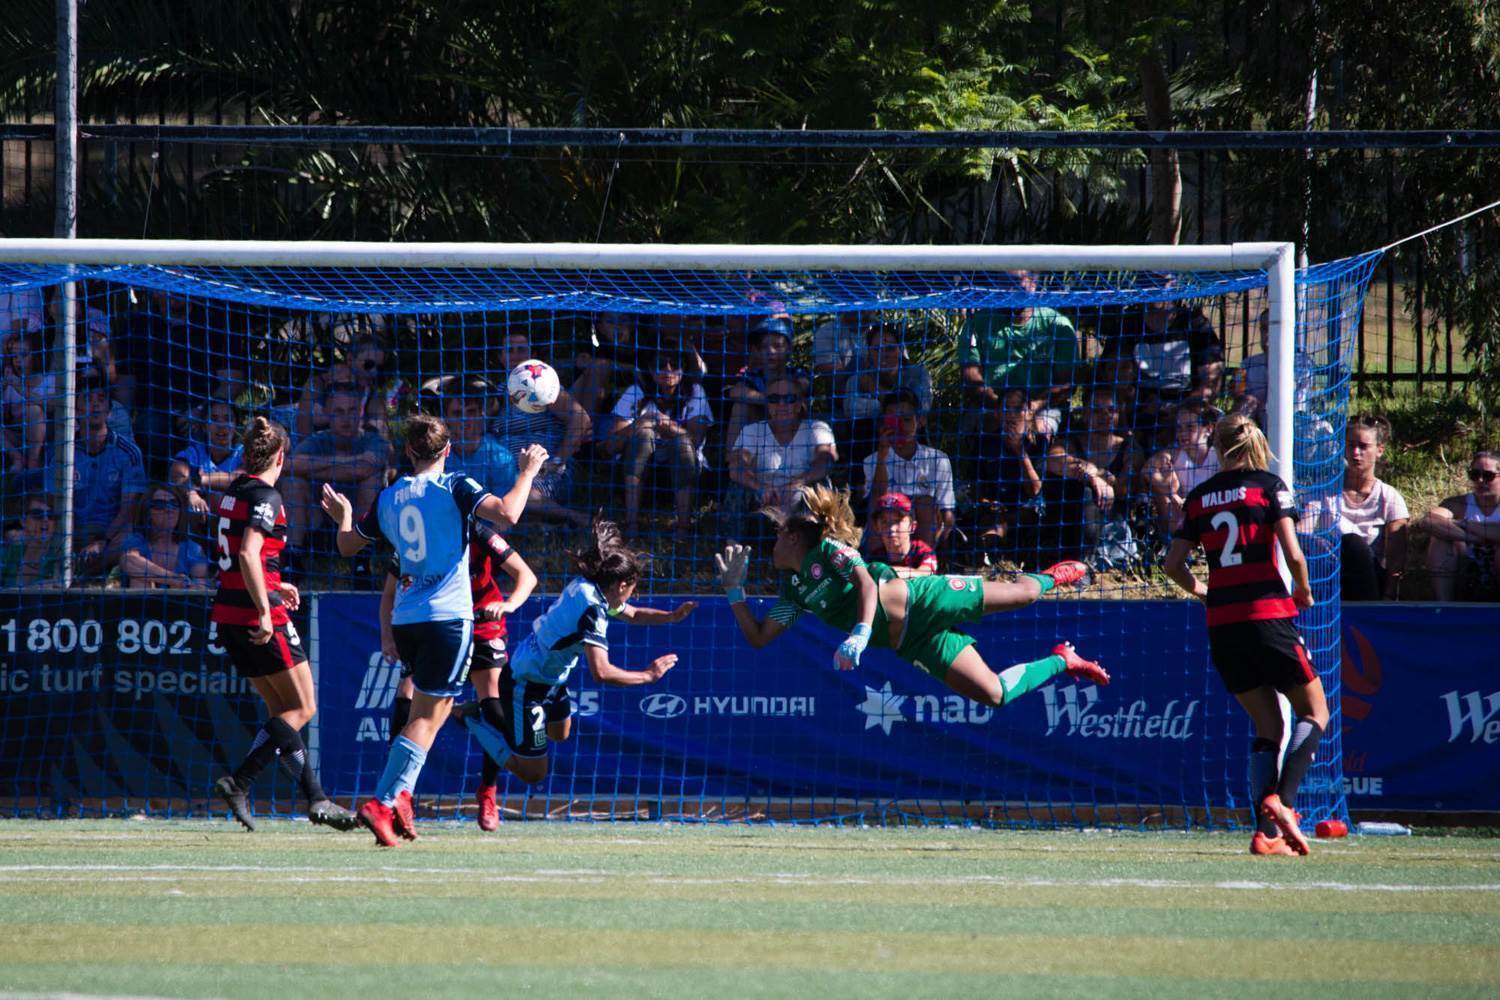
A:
x,y
815,542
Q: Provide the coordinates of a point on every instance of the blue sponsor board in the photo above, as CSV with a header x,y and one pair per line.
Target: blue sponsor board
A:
x,y
1421,707
733,725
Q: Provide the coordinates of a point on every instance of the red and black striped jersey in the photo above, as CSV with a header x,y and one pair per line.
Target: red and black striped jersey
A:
x,y
487,550
254,503
1233,515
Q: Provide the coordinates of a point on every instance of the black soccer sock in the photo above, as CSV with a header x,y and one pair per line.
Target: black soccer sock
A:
x,y
489,710
400,713
1262,781
262,752
1300,753
292,755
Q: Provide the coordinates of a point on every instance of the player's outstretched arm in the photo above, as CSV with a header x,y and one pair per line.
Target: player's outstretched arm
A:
x,y
733,563
506,511
1176,568
656,616
338,507
607,673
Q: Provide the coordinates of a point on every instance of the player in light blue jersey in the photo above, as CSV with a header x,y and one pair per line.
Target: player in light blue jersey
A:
x,y
426,516
575,627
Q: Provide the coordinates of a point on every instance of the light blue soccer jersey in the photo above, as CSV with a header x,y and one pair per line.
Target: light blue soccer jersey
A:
x,y
427,517
579,617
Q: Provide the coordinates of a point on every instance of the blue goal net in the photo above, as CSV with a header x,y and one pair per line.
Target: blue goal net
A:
x,y
983,424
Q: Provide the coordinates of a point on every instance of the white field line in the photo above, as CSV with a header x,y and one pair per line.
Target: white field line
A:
x,y
173,873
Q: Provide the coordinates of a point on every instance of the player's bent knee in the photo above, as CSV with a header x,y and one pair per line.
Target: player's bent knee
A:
x,y
529,770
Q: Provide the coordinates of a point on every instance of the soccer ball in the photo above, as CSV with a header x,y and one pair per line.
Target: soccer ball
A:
x,y
532,386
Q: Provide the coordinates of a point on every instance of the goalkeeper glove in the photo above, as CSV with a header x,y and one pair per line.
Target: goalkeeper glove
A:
x,y
847,658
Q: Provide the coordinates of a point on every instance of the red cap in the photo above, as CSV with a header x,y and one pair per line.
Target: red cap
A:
x,y
893,501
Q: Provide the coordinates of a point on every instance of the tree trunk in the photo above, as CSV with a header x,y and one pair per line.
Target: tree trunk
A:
x,y
1166,171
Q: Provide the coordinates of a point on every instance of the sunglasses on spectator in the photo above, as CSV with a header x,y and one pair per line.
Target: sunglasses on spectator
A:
x,y
164,505
783,397
41,514
1482,475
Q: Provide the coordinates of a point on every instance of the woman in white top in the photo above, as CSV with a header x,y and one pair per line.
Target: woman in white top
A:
x,y
1372,517
1464,556
772,458
1172,475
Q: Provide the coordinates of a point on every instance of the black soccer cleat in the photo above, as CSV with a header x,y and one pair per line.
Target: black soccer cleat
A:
x,y
234,796
326,812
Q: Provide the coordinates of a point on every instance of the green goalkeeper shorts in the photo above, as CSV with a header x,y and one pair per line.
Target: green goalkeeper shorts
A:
x,y
934,605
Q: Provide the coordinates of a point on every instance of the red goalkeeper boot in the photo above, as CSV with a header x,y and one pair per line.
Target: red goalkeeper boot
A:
x,y
489,810
1273,809
1067,573
405,821
1077,667
1262,845
377,817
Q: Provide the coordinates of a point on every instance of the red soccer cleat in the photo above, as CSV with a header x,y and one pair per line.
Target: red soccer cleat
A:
x,y
1067,573
1264,846
376,816
1273,809
1077,667
406,823
489,811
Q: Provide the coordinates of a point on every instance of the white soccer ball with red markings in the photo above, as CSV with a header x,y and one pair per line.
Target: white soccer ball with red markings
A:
x,y
532,386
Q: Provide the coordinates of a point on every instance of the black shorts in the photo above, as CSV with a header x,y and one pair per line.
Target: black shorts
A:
x,y
527,709
489,654
1267,653
436,655
282,652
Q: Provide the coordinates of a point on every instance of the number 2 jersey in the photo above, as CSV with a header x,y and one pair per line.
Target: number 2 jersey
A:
x,y
427,518
1233,516
252,502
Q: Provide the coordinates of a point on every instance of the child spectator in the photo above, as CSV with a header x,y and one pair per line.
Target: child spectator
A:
x,y
210,465
159,554
901,465
889,538
663,421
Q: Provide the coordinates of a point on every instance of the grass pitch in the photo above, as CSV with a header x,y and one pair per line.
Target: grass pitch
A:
x,y
173,908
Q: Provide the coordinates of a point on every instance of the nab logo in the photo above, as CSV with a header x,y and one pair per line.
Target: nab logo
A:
x,y
663,706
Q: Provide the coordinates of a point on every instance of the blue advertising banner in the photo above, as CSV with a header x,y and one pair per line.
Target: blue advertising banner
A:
x,y
1421,707
731,725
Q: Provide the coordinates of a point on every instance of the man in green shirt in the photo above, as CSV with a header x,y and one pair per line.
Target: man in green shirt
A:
x,y
1032,348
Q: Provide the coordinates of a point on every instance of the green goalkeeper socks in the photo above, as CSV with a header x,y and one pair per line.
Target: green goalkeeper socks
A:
x,y
1025,677
1042,580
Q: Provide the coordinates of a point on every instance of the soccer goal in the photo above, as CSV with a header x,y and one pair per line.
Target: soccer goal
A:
x,y
989,409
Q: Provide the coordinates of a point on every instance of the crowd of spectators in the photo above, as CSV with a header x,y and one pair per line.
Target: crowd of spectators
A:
x,y
1040,444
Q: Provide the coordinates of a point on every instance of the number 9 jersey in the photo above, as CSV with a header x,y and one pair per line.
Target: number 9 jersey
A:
x,y
1233,516
427,518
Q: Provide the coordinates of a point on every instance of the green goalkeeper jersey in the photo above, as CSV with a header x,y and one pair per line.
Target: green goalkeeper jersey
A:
x,y
825,587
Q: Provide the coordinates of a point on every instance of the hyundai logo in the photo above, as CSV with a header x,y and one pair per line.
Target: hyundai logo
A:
x,y
663,706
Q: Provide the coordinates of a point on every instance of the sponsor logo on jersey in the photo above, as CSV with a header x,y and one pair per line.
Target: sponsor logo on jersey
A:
x,y
1077,709
663,706
816,571
957,583
841,557
263,511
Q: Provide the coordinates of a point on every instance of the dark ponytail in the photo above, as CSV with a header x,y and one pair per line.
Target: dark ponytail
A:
x,y
606,559
263,441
